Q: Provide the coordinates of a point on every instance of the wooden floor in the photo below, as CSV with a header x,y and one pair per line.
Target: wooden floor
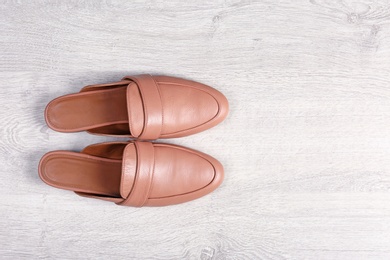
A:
x,y
306,146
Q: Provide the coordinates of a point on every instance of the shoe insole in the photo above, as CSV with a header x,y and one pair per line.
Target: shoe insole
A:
x,y
86,110
82,173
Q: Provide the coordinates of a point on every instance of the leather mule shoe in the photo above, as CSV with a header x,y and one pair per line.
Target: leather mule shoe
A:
x,y
143,107
133,174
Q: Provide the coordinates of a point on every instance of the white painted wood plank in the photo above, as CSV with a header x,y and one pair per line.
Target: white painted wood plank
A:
x,y
305,146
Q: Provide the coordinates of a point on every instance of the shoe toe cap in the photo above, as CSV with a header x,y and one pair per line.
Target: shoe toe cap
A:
x,y
182,174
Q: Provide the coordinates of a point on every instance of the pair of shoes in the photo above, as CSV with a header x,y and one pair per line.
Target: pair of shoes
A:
x,y
138,172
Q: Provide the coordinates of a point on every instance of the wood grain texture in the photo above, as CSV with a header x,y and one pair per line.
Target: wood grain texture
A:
x,y
305,147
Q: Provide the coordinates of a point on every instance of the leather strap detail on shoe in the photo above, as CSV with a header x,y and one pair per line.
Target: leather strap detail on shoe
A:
x,y
129,170
143,176
152,107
